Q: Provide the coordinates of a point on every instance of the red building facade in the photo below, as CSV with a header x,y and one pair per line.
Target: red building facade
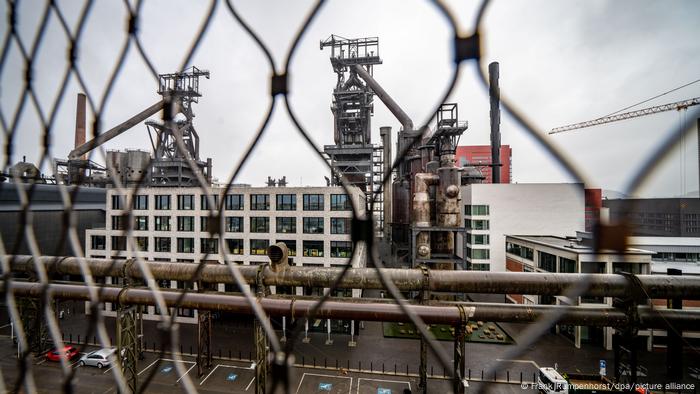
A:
x,y
480,156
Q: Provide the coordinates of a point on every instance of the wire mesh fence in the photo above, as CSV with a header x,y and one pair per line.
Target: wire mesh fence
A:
x,y
41,316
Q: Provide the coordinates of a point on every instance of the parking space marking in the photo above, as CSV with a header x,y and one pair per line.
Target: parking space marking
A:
x,y
359,383
41,362
521,361
172,361
228,366
248,386
324,376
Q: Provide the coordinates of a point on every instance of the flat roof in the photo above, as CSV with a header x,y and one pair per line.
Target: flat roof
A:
x,y
572,245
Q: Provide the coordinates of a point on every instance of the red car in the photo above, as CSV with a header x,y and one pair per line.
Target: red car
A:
x,y
54,355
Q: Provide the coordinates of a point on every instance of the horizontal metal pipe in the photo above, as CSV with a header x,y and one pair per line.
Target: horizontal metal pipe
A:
x,y
370,310
599,285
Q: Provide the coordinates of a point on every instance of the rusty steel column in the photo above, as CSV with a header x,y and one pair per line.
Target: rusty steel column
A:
x,y
459,380
260,339
421,213
385,133
204,354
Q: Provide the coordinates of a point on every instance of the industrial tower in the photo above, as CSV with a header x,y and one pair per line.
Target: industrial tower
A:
x,y
353,156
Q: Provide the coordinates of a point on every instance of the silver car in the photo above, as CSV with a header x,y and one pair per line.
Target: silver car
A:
x,y
98,358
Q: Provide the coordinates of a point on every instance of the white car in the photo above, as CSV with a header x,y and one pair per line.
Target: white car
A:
x,y
98,358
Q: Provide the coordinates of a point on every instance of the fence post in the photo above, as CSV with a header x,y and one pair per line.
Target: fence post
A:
x,y
508,376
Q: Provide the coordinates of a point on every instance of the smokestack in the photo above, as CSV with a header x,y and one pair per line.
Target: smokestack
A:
x,y
385,133
495,96
80,123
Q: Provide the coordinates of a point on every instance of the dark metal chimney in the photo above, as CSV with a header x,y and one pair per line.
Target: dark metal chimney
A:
x,y
495,97
80,123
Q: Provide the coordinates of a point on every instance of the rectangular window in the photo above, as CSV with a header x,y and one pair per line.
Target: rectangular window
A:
x,y
592,267
259,202
118,243
480,239
313,225
118,223
97,242
204,224
547,262
234,224
233,202
235,246
481,267
286,225
185,245
630,268
117,201
162,244
141,202
286,202
162,223
480,254
341,249
141,223
162,202
476,210
313,202
209,245
259,224
204,202
291,246
340,202
519,250
185,223
259,246
185,202
567,265
340,225
185,312
477,224
141,244
313,248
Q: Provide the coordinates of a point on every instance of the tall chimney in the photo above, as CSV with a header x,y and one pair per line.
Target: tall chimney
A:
x,y
385,133
80,123
495,96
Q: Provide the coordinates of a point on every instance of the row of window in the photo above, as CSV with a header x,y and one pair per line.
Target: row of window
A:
x,y
234,224
476,209
235,246
234,202
476,224
519,250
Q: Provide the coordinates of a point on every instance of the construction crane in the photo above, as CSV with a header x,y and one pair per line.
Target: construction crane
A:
x,y
679,105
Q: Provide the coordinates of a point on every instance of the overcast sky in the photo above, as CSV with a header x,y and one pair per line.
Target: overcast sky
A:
x,y
561,62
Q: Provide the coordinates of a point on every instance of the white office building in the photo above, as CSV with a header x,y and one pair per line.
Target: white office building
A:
x,y
491,211
175,224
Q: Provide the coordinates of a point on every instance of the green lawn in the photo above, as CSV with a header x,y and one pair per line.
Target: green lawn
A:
x,y
484,332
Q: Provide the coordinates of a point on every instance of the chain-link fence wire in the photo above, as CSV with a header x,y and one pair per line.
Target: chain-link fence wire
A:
x,y
466,48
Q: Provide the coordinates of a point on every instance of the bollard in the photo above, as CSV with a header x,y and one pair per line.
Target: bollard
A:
x,y
394,368
382,367
250,355
63,337
469,376
406,369
348,364
314,361
494,376
521,377
191,349
508,376
325,362
482,375
180,348
359,365
78,338
70,337
219,352
94,340
431,370
336,363
371,366
302,361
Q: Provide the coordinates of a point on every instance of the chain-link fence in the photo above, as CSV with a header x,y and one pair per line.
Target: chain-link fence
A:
x,y
38,313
